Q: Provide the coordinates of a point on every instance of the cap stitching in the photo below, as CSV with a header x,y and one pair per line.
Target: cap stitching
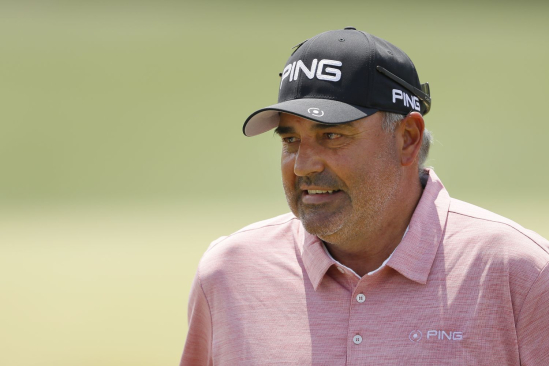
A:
x,y
411,63
370,74
321,96
369,57
298,89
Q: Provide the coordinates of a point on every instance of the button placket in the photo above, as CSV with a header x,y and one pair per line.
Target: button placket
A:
x,y
357,315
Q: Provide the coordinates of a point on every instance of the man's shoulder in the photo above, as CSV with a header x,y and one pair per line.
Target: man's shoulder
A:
x,y
480,244
253,242
500,233
257,231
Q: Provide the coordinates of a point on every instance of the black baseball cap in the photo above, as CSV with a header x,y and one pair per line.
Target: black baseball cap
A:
x,y
341,76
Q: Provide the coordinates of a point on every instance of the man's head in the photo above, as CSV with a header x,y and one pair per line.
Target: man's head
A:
x,y
339,176
350,115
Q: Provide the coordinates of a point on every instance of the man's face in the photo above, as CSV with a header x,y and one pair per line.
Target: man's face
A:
x,y
339,180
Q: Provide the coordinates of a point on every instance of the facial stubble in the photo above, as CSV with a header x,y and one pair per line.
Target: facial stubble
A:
x,y
362,208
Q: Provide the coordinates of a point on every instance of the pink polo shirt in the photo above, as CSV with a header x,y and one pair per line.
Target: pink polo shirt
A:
x,y
464,287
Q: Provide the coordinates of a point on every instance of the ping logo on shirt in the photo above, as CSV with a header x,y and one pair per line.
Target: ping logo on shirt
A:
x,y
409,101
318,69
441,335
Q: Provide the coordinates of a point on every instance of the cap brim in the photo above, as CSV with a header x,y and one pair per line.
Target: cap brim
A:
x,y
318,110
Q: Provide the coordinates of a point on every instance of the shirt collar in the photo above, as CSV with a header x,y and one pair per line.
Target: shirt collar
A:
x,y
414,256
315,259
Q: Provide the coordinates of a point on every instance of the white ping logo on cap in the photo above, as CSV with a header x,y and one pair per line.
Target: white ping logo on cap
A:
x,y
322,72
409,101
315,112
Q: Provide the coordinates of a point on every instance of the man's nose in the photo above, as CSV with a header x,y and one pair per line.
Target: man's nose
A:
x,y
308,160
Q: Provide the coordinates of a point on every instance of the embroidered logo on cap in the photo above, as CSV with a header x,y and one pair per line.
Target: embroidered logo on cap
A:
x,y
291,71
315,112
412,102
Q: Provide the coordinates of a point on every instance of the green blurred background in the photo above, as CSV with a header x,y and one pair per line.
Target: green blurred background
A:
x,y
122,155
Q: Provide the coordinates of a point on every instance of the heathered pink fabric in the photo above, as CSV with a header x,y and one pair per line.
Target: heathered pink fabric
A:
x,y
472,286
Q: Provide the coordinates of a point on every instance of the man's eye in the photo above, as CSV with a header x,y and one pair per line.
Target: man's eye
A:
x,y
332,135
289,140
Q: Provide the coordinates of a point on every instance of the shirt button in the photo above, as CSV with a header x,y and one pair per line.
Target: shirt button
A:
x,y
360,298
357,339
341,270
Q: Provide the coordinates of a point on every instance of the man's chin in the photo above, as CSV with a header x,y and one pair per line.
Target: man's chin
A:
x,y
321,225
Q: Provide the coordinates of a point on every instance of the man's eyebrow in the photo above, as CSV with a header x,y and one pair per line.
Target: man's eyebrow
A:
x,y
317,126
283,129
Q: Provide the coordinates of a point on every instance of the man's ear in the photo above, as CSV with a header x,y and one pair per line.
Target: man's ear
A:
x,y
410,135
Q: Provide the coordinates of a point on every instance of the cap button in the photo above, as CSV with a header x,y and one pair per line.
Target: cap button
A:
x,y
349,28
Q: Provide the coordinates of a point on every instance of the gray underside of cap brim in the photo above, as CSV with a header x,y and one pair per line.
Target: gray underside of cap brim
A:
x,y
318,110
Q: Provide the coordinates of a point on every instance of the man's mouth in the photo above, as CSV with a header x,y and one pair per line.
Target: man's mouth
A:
x,y
316,191
318,196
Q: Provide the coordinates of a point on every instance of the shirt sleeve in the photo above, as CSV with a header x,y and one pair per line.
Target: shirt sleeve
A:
x,y
198,346
533,323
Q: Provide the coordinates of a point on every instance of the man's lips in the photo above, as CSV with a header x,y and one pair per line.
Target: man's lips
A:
x,y
321,191
319,195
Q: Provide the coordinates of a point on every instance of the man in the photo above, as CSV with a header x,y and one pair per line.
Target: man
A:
x,y
376,264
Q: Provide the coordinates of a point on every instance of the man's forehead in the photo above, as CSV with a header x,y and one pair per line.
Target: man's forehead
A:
x,y
288,121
